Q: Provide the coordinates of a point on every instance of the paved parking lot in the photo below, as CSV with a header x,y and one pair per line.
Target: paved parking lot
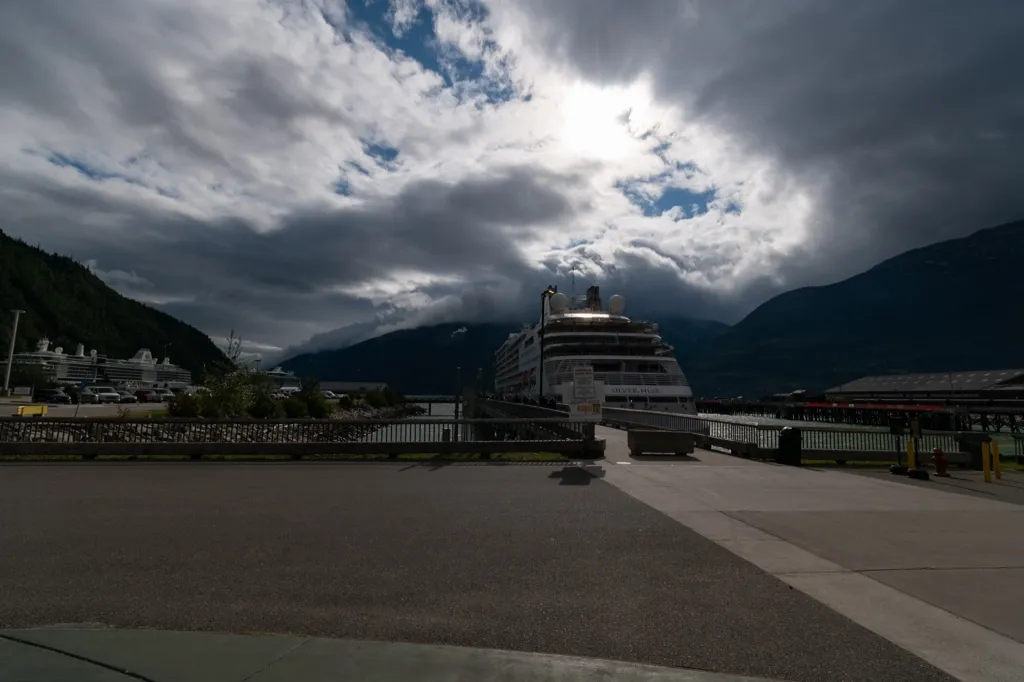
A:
x,y
515,557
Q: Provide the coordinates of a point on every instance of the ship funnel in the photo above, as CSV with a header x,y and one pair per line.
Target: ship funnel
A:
x,y
79,351
594,297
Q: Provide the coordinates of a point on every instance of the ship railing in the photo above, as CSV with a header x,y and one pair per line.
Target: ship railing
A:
x,y
627,378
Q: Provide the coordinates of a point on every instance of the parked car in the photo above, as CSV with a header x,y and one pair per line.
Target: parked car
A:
x,y
166,395
147,395
54,396
81,395
330,395
127,397
104,394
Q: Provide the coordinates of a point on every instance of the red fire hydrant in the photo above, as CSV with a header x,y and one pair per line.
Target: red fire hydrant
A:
x,y
941,462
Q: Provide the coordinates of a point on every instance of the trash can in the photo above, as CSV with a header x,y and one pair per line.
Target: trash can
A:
x,y
790,449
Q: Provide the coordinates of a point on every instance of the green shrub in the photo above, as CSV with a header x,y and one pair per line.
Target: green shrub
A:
x,y
264,406
184,405
318,407
295,408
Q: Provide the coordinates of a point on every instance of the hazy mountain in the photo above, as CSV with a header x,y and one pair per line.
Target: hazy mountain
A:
x,y
67,303
424,360
950,306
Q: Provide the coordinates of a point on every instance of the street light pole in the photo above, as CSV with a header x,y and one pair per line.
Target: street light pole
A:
x,y
10,351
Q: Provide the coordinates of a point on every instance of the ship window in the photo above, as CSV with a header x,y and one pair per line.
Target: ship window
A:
x,y
607,367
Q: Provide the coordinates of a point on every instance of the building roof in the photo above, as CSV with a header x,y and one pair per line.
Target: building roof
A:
x,y
936,382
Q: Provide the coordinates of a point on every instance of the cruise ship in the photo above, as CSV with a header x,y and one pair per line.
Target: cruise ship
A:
x,y
638,368
56,365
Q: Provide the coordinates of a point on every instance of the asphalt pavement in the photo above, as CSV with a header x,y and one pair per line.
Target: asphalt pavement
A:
x,y
938,573
521,557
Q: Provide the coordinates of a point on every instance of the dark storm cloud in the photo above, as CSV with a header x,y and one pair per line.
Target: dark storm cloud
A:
x,y
906,116
227,275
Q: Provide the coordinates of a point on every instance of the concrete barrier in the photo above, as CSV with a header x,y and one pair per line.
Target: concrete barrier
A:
x,y
31,411
658,441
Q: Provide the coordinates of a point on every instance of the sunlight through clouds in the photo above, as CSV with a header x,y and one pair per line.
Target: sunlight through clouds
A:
x,y
318,164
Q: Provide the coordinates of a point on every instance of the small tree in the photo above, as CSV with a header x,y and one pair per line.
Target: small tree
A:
x,y
310,394
231,389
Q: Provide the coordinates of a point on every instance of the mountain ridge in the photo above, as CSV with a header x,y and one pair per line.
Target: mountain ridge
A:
x,y
932,308
69,304
389,358
941,307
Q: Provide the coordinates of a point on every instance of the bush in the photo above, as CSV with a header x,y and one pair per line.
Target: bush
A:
x,y
345,402
318,407
209,407
375,399
264,406
295,408
184,405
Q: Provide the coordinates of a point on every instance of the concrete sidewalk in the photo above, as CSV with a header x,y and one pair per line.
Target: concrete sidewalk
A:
x,y
102,655
940,574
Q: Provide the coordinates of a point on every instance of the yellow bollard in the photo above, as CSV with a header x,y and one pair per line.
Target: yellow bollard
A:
x,y
985,462
995,460
911,459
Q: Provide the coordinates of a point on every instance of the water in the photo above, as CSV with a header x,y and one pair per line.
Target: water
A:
x,y
423,433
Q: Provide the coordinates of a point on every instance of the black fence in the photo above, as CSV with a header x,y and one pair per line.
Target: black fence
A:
x,y
53,436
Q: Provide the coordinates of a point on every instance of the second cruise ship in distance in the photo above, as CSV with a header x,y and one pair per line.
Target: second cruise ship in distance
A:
x,y
638,368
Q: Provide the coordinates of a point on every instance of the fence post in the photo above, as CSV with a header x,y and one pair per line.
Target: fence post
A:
x,y
985,462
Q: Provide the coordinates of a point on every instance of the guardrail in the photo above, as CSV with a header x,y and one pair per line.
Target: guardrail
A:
x,y
754,440
760,440
296,437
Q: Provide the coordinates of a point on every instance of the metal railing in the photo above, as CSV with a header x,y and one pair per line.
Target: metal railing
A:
x,y
725,430
67,430
767,436
297,437
853,440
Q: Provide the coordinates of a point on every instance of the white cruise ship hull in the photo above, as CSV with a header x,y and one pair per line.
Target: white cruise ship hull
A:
x,y
636,367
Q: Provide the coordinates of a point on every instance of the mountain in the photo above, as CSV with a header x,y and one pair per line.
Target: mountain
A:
x,y
423,361
419,361
67,303
949,306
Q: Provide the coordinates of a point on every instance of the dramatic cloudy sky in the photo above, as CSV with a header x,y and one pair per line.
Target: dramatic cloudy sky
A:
x,y
289,168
